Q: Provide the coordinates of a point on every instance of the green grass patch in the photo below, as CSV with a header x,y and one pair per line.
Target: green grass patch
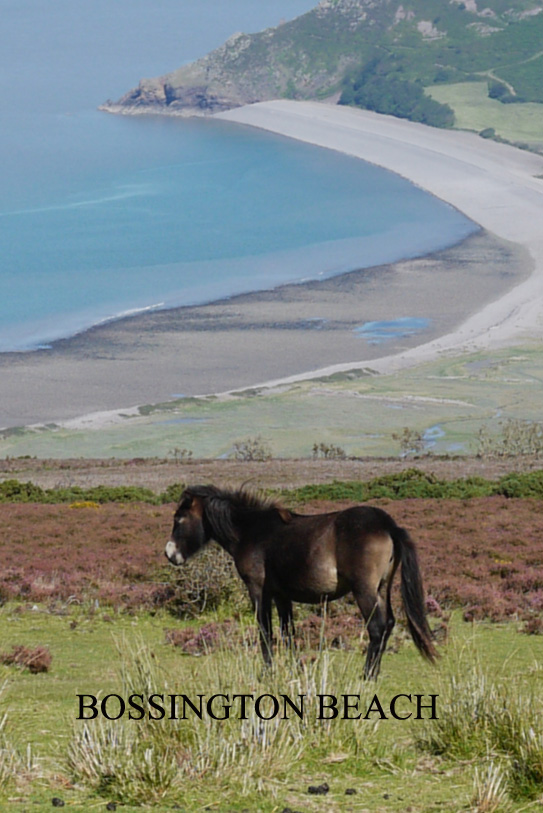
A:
x,y
458,395
474,110
252,763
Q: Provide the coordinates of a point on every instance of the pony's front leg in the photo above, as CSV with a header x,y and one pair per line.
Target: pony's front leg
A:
x,y
262,608
284,610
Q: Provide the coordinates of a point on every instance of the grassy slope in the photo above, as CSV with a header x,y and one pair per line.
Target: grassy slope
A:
x,y
425,41
475,111
458,395
350,754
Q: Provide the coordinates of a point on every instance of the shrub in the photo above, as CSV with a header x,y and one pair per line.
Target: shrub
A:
x,y
521,485
328,451
14,491
488,132
251,450
411,442
35,660
172,493
406,485
181,455
516,438
208,582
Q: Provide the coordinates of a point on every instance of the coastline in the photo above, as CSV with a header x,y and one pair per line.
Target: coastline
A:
x,y
97,377
497,186
274,337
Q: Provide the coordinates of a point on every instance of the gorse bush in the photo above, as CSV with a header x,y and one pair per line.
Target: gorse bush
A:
x,y
409,484
17,492
414,483
522,485
209,582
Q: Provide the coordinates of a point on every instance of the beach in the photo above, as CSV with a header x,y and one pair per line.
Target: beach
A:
x,y
497,186
483,293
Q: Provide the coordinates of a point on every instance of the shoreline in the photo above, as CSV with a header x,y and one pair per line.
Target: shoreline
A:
x,y
156,356
231,344
497,186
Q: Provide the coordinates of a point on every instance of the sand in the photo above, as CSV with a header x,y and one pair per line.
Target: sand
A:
x,y
484,293
497,186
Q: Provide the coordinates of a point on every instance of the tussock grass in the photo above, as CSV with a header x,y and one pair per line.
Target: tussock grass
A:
x,y
267,765
148,760
481,715
9,759
14,764
490,790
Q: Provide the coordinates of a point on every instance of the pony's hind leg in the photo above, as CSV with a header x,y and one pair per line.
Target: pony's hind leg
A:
x,y
374,609
371,590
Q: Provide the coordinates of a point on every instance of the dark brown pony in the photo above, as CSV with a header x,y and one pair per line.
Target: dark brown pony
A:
x,y
284,557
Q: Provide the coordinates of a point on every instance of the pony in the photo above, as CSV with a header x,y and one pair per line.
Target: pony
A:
x,y
284,557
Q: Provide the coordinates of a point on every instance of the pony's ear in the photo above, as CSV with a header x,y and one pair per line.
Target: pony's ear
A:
x,y
187,499
285,514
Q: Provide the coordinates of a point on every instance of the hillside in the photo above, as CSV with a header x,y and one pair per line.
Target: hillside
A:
x,y
368,51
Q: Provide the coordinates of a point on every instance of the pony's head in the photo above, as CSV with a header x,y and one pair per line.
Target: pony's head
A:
x,y
189,533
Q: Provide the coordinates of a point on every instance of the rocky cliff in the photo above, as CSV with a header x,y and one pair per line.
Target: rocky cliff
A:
x,y
426,41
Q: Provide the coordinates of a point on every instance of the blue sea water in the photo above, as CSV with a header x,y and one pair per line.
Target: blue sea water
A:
x,y
102,215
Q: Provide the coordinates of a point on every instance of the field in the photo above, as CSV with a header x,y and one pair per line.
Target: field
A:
x,y
474,110
89,600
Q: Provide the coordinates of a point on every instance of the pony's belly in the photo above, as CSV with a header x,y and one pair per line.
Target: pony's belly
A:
x,y
323,584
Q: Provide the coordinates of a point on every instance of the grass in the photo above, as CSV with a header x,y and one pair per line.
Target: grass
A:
x,y
475,111
457,395
247,764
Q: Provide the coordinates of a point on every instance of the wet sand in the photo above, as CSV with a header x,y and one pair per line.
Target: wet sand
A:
x,y
239,342
482,294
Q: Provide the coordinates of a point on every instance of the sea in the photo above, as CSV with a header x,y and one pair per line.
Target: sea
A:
x,y
102,215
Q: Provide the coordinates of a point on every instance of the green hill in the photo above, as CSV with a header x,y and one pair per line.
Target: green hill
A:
x,y
381,55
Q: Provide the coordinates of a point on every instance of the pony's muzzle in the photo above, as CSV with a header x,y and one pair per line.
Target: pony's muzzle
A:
x,y
172,554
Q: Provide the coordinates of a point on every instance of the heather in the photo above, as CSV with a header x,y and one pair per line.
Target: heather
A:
x,y
483,555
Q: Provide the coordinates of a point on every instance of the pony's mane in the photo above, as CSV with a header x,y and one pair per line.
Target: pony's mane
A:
x,y
222,506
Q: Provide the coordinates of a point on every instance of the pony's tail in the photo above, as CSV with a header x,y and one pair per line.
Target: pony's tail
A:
x,y
413,593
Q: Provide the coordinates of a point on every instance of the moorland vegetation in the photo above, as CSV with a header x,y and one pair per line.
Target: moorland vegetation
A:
x,y
88,605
